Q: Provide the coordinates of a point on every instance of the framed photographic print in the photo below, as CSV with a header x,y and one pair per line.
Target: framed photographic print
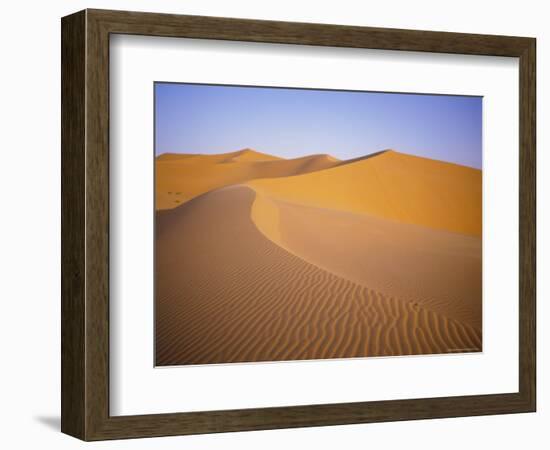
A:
x,y
271,224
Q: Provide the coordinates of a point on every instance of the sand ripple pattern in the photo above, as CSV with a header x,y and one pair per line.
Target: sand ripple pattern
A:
x,y
225,293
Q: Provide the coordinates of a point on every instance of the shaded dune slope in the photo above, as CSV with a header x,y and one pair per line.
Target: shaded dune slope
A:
x,y
241,297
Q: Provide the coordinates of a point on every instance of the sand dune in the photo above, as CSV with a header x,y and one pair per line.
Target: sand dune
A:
x,y
260,258
246,154
436,269
180,178
391,185
227,290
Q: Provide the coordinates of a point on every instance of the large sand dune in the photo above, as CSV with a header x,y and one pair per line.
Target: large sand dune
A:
x,y
227,293
436,269
391,185
260,258
180,178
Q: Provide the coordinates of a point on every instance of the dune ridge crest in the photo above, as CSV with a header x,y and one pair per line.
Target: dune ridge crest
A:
x,y
394,186
386,184
260,258
393,258
181,177
257,302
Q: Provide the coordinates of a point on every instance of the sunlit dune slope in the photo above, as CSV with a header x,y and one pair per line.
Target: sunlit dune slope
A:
x,y
435,269
166,157
391,185
181,177
243,297
246,154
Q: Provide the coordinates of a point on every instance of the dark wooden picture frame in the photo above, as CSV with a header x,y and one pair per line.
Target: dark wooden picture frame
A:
x,y
85,224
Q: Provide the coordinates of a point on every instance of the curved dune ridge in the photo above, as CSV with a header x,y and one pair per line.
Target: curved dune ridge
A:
x,y
254,301
394,186
436,269
259,258
180,178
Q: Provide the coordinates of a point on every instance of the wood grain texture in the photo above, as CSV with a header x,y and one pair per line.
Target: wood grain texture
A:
x,y
152,24
73,225
97,225
527,225
85,224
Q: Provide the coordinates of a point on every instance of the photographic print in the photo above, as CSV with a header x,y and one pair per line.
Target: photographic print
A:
x,y
300,224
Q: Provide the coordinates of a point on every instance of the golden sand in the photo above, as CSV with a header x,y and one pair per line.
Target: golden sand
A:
x,y
263,259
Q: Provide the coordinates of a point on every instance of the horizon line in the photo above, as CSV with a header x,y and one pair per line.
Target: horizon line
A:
x,y
365,156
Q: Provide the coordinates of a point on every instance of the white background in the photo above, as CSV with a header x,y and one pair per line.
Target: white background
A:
x,y
139,388
30,234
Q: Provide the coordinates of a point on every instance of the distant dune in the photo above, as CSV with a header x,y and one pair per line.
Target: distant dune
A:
x,y
179,178
395,186
260,258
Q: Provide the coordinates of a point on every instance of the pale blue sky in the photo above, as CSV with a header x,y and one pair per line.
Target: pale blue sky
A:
x,y
193,118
